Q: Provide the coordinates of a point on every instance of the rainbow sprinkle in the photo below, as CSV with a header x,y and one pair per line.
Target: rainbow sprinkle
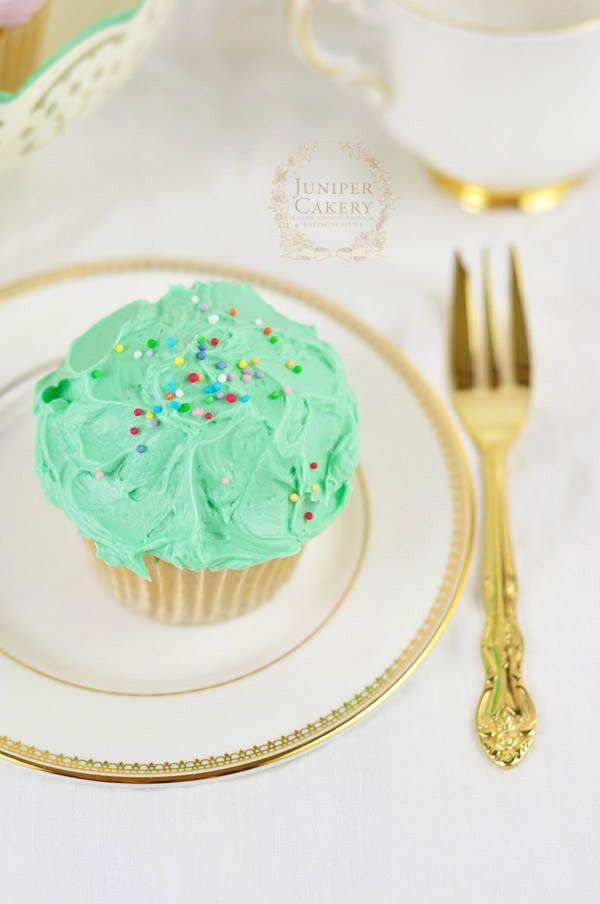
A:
x,y
213,392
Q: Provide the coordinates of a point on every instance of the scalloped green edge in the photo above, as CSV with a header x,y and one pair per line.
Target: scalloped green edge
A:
x,y
7,96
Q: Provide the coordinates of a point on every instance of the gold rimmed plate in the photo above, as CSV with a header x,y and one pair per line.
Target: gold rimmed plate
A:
x,y
98,692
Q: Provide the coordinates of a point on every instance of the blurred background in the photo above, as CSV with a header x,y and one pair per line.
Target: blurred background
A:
x,y
179,162
181,159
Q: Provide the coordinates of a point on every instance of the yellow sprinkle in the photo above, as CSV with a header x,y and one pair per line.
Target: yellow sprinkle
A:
x,y
294,497
149,415
119,348
178,360
290,363
256,360
242,364
315,487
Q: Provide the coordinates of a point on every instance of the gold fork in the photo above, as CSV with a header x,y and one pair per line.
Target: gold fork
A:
x,y
493,407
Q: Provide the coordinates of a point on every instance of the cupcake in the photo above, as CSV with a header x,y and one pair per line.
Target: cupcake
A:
x,y
22,29
198,443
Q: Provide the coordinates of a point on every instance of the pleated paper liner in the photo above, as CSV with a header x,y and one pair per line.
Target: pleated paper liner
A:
x,y
182,597
20,49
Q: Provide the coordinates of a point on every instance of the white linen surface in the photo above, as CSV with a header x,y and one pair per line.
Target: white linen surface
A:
x,y
404,807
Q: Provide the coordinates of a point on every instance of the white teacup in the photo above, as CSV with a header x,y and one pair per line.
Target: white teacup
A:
x,y
501,100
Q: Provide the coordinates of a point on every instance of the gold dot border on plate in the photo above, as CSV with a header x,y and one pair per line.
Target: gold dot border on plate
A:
x,y
399,670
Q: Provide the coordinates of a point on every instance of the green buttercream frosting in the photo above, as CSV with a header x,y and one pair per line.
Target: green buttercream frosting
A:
x,y
200,492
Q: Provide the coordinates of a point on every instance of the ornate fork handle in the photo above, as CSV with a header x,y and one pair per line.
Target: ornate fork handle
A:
x,y
505,717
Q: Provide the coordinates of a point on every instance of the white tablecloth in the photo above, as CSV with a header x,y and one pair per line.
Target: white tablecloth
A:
x,y
404,806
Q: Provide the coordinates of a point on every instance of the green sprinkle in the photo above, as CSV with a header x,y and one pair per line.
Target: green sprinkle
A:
x,y
297,369
185,407
201,339
96,374
49,393
273,340
152,343
275,394
209,399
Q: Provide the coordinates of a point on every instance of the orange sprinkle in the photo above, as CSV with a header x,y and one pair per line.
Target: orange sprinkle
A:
x,y
256,360
268,330
232,311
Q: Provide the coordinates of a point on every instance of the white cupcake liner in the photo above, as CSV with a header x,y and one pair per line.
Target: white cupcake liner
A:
x,y
182,597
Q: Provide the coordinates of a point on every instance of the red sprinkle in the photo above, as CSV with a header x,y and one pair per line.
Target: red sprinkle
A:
x,y
231,397
208,415
214,341
169,395
137,411
308,516
232,311
192,378
133,431
314,465
267,330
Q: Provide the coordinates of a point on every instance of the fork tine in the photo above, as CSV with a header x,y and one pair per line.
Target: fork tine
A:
x,y
521,365
492,372
460,353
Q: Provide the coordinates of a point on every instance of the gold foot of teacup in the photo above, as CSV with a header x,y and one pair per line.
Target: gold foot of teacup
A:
x,y
532,200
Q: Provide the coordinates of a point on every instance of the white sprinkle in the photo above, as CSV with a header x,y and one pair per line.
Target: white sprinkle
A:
x,y
195,299
179,393
212,318
258,322
222,378
137,354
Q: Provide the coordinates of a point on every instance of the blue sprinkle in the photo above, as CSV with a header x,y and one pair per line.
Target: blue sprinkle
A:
x,y
201,355
245,398
171,387
202,346
157,408
221,365
175,404
170,341
140,448
216,386
208,389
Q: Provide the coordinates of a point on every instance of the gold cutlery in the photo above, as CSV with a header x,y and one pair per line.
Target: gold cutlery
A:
x,y
492,402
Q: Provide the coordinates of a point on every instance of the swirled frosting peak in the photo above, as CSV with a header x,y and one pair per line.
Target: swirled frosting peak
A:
x,y
205,429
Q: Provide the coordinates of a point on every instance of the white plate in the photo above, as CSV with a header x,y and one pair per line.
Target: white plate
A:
x,y
93,690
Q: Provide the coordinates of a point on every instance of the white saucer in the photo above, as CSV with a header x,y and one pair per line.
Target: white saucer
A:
x,y
92,690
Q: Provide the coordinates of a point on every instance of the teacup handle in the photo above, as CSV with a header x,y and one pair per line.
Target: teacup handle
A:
x,y
298,16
